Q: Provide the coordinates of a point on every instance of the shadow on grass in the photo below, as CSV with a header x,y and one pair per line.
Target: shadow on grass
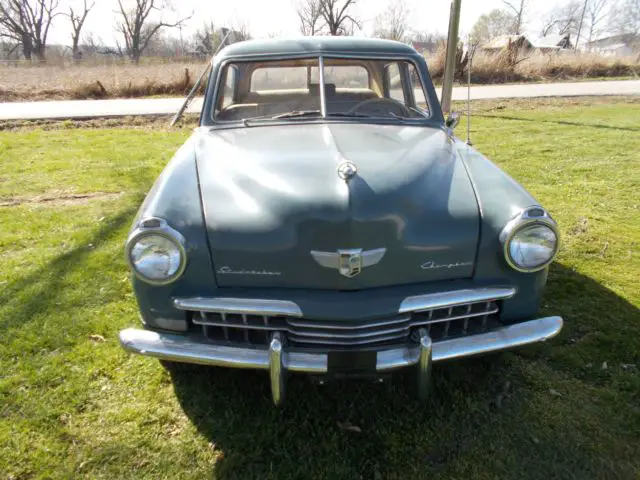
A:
x,y
479,421
560,122
44,285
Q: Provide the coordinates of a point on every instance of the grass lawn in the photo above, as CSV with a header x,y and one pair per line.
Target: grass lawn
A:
x,y
74,405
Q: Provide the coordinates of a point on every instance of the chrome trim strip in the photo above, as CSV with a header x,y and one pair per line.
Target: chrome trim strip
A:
x,y
430,301
382,337
247,306
453,318
256,306
183,349
262,328
342,334
323,93
359,325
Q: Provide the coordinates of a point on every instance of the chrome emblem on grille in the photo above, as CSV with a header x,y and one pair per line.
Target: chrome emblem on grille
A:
x,y
347,170
349,262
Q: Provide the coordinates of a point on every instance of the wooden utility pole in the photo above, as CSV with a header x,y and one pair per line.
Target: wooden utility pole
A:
x,y
452,46
584,9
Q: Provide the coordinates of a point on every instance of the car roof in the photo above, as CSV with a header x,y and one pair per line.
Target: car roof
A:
x,y
316,46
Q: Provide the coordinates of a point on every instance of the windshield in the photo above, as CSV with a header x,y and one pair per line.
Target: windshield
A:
x,y
290,89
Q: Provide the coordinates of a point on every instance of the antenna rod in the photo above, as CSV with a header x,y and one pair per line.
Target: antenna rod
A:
x,y
470,60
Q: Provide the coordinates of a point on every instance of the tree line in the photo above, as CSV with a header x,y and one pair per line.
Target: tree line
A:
x,y
25,24
582,20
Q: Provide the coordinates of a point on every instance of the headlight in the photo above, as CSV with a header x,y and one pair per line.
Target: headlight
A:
x,y
530,241
155,252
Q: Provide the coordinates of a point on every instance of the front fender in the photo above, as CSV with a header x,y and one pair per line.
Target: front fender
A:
x,y
175,197
500,198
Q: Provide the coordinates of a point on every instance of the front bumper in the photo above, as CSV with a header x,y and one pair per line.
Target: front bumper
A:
x,y
279,360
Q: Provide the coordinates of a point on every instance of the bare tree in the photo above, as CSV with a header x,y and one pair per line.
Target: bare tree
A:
x,y
207,39
597,11
93,45
519,9
27,22
77,22
310,15
430,40
625,18
392,22
563,19
239,31
138,28
337,18
493,24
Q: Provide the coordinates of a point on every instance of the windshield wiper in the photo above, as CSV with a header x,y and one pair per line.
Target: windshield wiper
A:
x,y
296,114
313,113
347,114
292,114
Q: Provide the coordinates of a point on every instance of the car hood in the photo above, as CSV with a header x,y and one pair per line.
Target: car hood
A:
x,y
272,195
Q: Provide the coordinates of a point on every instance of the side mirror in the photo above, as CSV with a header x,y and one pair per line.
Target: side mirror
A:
x,y
452,120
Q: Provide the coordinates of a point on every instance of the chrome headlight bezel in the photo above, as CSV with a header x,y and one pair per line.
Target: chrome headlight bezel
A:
x,y
532,216
160,227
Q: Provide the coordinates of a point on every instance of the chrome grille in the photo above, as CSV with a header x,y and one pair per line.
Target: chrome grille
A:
x,y
441,323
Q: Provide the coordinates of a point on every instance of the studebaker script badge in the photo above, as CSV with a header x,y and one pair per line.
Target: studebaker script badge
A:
x,y
349,262
347,170
229,271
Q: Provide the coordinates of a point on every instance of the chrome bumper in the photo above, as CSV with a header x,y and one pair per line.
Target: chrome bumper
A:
x,y
278,360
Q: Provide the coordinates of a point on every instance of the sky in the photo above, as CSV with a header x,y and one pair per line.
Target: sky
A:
x,y
278,17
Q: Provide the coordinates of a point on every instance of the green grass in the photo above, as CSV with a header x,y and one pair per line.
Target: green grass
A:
x,y
73,406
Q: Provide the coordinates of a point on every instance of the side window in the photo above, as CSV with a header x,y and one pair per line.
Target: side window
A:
x,y
394,82
403,83
228,93
419,95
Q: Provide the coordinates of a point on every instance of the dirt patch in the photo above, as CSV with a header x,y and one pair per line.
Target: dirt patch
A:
x,y
59,199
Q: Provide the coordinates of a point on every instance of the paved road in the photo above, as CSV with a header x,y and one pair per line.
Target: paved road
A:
x,y
161,106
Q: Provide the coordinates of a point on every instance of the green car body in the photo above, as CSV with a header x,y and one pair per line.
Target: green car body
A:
x,y
280,249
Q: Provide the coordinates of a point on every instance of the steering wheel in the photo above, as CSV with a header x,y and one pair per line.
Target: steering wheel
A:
x,y
377,106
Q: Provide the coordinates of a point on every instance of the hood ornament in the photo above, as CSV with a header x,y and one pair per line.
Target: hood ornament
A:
x,y
347,171
349,262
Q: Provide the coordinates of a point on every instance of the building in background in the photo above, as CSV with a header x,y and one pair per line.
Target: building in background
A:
x,y
615,45
548,44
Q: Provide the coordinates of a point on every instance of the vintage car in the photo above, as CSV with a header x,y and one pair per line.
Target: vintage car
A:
x,y
323,219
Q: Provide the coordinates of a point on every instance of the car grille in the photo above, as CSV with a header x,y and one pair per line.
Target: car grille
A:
x,y
441,323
